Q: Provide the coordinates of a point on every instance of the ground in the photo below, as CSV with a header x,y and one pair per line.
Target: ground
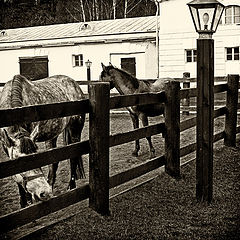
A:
x,y
161,209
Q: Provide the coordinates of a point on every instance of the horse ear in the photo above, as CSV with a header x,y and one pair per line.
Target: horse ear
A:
x,y
34,134
4,138
103,67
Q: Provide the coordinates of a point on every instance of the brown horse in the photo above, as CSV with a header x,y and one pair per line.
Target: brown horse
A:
x,y
127,84
20,140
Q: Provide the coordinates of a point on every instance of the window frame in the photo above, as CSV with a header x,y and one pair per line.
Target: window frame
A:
x,y
232,16
77,60
232,54
193,55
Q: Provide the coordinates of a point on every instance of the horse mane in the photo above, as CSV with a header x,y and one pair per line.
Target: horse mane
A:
x,y
133,80
17,98
16,93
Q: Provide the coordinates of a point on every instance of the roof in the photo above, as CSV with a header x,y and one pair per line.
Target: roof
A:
x,y
103,29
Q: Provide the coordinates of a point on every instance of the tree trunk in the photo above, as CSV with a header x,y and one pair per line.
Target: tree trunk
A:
x,y
96,10
125,8
114,8
83,11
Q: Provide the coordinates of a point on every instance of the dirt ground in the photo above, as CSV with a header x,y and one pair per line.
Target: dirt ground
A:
x,y
125,209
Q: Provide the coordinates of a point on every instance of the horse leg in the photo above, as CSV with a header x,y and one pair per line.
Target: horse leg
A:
x,y
144,120
52,169
135,121
73,134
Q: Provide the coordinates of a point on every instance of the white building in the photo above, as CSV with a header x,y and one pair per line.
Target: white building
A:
x,y
41,51
130,43
178,40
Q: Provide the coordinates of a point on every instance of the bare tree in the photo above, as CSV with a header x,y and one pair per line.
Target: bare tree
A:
x,y
96,9
83,11
125,8
114,8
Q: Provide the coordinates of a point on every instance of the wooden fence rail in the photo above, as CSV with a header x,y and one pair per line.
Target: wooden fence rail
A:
x,y
23,216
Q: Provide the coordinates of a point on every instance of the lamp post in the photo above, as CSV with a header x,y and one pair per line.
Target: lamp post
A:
x,y
206,15
88,65
157,2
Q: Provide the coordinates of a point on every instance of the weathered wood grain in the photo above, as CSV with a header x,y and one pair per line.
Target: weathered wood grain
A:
x,y
231,114
172,123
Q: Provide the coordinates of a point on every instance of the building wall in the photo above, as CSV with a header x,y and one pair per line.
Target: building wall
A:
x,y
60,59
177,34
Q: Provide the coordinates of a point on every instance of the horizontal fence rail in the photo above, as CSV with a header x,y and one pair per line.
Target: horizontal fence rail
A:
x,y
27,114
47,157
136,99
9,117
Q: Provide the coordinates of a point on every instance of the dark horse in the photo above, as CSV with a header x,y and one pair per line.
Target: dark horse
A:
x,y
127,84
19,140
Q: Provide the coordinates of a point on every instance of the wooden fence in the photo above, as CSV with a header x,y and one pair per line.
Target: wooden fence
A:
x,y
98,106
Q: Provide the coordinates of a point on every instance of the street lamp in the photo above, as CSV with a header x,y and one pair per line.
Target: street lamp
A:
x,y
206,15
88,65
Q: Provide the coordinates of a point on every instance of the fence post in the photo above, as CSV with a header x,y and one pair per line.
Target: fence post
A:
x,y
186,101
172,122
99,148
231,115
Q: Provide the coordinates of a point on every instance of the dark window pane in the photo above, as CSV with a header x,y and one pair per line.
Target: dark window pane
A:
x,y
229,50
229,57
76,61
236,50
236,56
189,53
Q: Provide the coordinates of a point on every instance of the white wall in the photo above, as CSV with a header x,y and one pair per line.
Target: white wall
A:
x,y
177,33
60,59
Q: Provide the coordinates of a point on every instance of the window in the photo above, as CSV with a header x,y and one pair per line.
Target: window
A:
x,y
78,60
191,55
34,68
232,54
231,15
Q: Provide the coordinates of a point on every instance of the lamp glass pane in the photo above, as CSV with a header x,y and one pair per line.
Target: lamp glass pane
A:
x,y
195,17
206,22
219,10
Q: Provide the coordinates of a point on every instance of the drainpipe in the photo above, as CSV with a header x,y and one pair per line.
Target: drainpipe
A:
x,y
157,2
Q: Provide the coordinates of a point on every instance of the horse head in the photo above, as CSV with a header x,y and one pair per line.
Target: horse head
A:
x,y
107,75
16,143
123,81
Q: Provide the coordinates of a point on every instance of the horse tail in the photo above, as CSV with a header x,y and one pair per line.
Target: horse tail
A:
x,y
72,134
